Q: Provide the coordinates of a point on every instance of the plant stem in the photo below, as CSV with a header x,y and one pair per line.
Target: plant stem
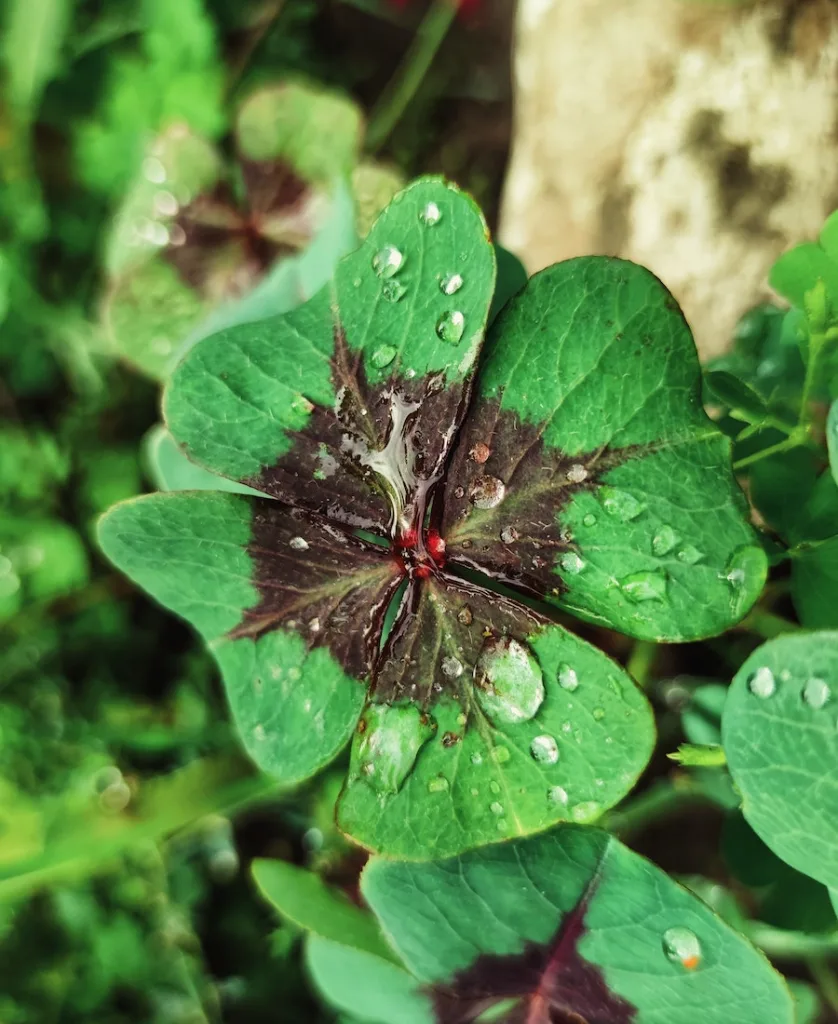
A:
x,y
403,86
792,441
783,945
825,978
642,661
768,625
661,799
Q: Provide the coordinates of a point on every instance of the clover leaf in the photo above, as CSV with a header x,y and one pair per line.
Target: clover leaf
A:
x,y
568,926
779,735
577,467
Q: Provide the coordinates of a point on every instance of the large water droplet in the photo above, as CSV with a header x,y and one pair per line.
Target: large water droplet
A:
x,y
298,543
451,284
577,473
816,693
383,356
762,682
510,686
500,755
387,261
589,519
664,541
393,291
620,503
509,535
430,214
645,586
438,784
387,743
746,565
450,327
598,713
165,204
689,555
557,795
544,749
486,492
452,667
571,562
681,946
568,679
496,808
586,811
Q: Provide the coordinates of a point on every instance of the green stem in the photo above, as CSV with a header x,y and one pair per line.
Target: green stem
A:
x,y
661,799
825,978
767,624
792,441
641,661
783,945
403,86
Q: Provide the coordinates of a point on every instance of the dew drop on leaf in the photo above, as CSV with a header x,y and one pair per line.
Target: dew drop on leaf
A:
x,y
762,682
259,733
577,473
571,562
689,555
509,683
816,693
599,714
476,758
383,356
451,284
494,786
502,825
664,541
430,214
681,946
586,811
390,742
620,503
154,171
298,543
165,204
500,755
589,519
557,795
568,679
452,667
387,261
450,327
465,616
544,749
509,535
393,291
486,492
648,585
745,564
439,784
496,808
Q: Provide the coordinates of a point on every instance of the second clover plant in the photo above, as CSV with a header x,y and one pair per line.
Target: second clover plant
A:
x,y
409,458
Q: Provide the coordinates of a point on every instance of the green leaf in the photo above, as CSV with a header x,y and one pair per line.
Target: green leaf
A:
x,y
832,439
373,990
570,925
302,897
238,571
32,36
799,269
779,735
814,584
270,404
587,471
701,719
737,395
512,278
699,755
170,470
531,726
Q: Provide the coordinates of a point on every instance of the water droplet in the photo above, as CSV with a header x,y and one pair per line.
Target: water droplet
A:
x,y
599,714
568,679
557,795
589,519
298,543
153,170
816,693
664,541
165,204
586,811
383,356
480,452
486,492
464,615
393,291
430,214
500,755
496,808
571,562
645,586
177,236
451,284
494,786
620,503
450,327
761,683
387,261
690,555
510,686
314,625
544,749
681,946
259,733
509,535
438,784
577,473
452,667
476,758
389,739
502,825
746,566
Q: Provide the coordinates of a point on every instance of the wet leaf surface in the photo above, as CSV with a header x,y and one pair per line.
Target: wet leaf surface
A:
x,y
779,733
